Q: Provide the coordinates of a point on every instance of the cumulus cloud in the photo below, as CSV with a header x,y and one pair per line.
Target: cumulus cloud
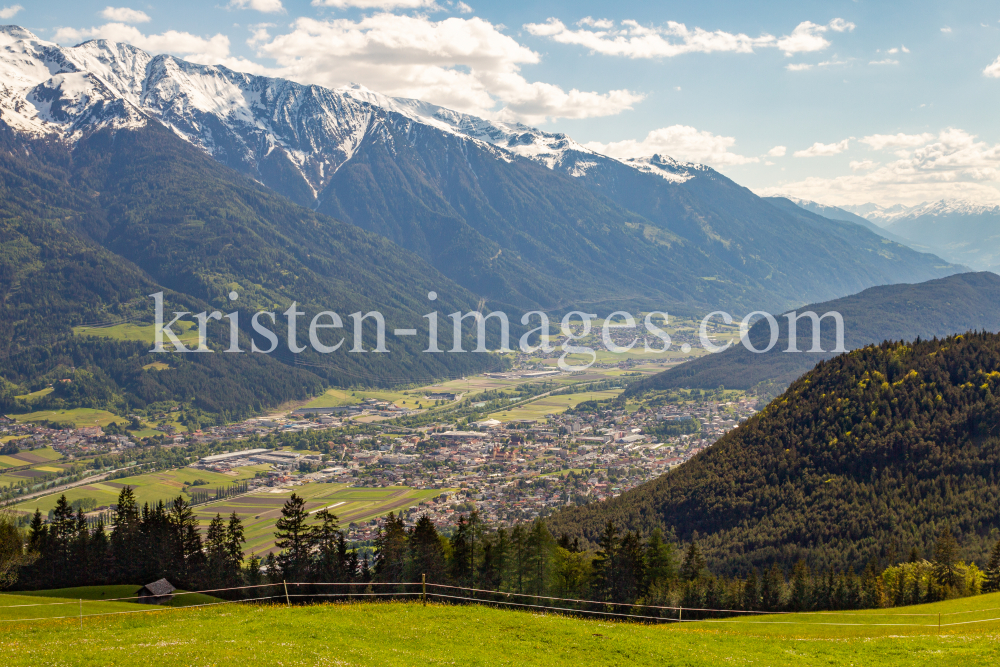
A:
x,y
682,142
862,165
265,6
778,151
465,64
881,141
124,15
823,150
633,40
463,8
212,50
993,70
951,164
10,12
383,4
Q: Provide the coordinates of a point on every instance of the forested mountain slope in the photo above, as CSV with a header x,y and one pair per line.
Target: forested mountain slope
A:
x,y
958,303
867,456
513,214
90,233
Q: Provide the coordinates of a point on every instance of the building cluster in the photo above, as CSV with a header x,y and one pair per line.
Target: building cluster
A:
x,y
71,443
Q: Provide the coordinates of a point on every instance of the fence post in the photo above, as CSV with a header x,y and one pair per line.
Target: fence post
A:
x,y
939,622
287,601
81,614
423,588
680,613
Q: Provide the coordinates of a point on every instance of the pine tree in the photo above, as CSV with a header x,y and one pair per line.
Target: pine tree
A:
x,y
215,553
799,600
772,587
125,537
694,563
426,552
461,553
293,538
991,580
235,539
390,550
326,538
606,565
945,562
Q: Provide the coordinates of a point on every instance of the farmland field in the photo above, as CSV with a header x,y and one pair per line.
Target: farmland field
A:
x,y
40,455
552,405
150,487
259,510
407,633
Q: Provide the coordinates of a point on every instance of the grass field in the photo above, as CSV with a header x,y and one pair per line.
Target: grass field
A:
x,y
186,332
78,416
408,634
260,510
121,592
149,488
552,405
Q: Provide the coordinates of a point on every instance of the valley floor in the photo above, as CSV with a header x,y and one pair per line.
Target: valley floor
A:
x,y
410,634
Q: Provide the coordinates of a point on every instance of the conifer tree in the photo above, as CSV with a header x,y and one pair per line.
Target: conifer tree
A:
x,y
293,538
991,580
945,562
694,563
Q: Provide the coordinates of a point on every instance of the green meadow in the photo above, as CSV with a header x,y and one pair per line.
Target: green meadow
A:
x,y
408,633
552,405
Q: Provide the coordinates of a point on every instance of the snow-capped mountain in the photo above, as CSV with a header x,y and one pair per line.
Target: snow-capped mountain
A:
x,y
958,230
507,211
241,119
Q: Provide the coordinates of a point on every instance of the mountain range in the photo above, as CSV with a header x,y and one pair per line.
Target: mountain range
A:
x,y
959,231
936,308
513,214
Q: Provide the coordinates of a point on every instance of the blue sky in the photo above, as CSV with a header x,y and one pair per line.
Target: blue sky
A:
x,y
841,101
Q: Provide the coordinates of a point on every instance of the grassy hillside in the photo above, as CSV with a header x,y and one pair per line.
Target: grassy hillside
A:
x,y
866,457
956,304
408,634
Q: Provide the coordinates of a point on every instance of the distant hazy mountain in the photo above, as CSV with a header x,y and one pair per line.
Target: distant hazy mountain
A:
x,y
959,231
836,213
511,213
956,304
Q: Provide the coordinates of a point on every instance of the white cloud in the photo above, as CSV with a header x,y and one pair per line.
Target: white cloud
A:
x,y
778,151
823,150
946,29
266,6
213,49
463,8
993,69
633,40
900,140
840,25
465,64
862,165
124,15
798,67
380,4
885,61
10,12
953,164
678,141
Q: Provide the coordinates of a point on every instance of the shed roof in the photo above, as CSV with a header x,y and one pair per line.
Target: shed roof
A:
x,y
160,587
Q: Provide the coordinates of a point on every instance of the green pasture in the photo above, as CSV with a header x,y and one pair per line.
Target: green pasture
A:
x,y
118,593
553,405
408,633
186,332
148,488
78,416
36,394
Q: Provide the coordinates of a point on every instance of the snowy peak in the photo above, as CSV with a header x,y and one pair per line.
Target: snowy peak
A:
x,y
246,121
945,207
